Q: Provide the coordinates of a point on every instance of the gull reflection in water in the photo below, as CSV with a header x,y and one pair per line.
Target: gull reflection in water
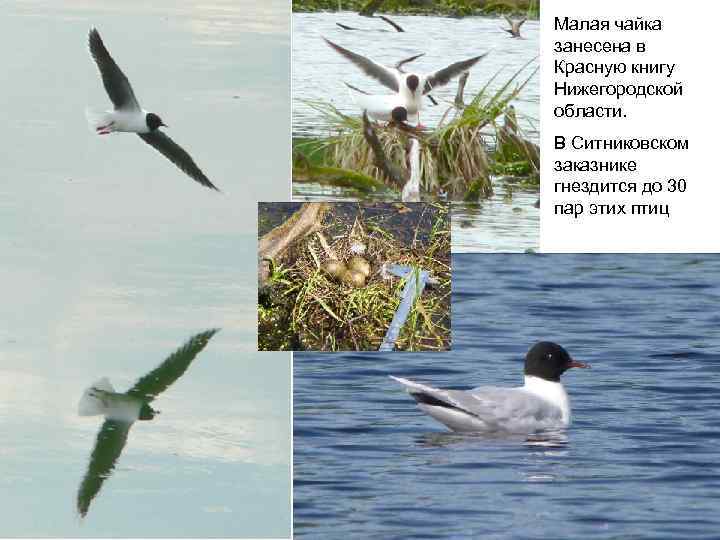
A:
x,y
547,439
121,410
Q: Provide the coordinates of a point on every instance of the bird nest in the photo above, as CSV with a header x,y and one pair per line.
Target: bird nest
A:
x,y
314,308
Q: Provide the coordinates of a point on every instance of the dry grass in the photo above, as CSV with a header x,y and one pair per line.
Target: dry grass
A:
x,y
326,315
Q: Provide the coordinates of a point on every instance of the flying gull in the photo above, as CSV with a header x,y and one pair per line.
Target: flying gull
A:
x,y
411,87
127,115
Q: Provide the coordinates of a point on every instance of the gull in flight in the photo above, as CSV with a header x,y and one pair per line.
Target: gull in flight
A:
x,y
514,29
127,115
409,86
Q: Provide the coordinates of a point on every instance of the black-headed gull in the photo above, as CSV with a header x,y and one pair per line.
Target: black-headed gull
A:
x,y
383,108
127,115
121,410
411,87
540,404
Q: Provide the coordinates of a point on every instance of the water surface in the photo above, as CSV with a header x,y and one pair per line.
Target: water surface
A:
x,y
639,461
112,258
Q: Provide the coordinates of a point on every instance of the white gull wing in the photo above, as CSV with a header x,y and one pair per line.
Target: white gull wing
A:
x,y
116,83
385,76
486,408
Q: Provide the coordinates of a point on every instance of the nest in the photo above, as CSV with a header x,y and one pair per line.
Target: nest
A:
x,y
327,314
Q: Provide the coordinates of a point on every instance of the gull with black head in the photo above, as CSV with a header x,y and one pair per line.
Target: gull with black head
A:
x,y
540,404
127,115
409,86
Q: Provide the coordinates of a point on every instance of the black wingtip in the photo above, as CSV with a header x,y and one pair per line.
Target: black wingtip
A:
x,y
94,35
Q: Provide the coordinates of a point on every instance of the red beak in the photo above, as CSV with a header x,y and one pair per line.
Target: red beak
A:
x,y
577,364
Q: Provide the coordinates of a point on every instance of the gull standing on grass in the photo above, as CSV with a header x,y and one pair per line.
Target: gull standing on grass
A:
x,y
127,115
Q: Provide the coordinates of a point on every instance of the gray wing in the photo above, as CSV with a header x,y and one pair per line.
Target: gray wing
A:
x,y
445,75
116,83
498,408
173,367
174,152
508,407
383,75
109,445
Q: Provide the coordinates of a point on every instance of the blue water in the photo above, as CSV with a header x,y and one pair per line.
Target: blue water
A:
x,y
639,461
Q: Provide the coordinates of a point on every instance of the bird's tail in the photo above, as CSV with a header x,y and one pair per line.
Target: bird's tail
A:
x,y
100,122
92,402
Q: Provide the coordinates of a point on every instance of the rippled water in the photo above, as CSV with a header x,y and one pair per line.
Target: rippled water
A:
x,y
318,72
497,224
639,461
112,258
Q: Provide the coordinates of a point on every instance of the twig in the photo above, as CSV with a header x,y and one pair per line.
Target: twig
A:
x,y
381,161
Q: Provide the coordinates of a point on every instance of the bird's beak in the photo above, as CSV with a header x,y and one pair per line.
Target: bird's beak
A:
x,y
581,365
164,124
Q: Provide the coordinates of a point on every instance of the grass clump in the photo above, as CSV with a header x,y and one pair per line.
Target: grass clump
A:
x,y
457,157
310,310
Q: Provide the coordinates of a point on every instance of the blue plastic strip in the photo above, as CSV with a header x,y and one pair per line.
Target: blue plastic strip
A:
x,y
414,286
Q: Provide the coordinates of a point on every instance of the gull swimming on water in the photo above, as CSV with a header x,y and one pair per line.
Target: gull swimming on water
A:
x,y
122,409
540,404
127,115
410,87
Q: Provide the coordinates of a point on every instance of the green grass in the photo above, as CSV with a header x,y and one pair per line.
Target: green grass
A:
x,y
458,156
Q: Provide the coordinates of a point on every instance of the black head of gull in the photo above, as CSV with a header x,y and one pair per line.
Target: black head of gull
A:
x,y
147,412
399,114
547,360
413,81
153,121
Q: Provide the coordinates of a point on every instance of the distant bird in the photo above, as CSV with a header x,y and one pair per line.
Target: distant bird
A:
x,y
396,26
121,410
411,87
541,404
127,115
514,29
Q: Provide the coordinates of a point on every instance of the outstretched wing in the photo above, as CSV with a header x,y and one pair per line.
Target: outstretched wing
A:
x,y
116,83
159,379
109,445
175,153
383,75
445,75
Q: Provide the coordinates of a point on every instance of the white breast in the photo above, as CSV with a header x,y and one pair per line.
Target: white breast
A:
x,y
130,121
552,392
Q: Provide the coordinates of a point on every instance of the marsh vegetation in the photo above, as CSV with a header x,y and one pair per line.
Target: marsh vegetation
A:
x,y
311,301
